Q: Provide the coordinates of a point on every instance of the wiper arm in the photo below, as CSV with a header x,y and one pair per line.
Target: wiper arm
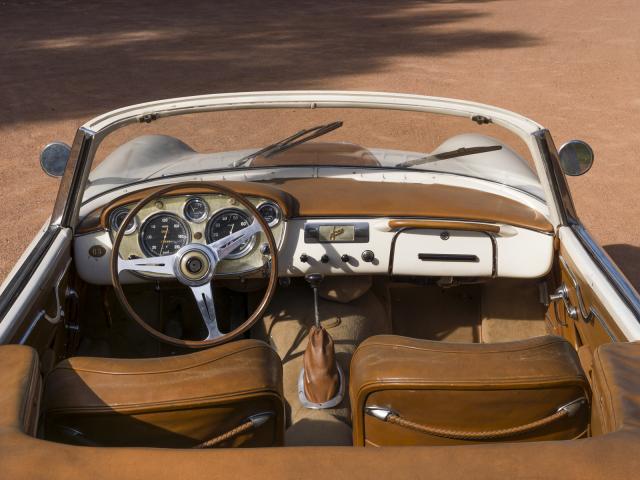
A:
x,y
460,152
294,140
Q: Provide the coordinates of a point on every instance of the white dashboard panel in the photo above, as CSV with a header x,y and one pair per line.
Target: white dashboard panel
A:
x,y
438,253
294,247
519,253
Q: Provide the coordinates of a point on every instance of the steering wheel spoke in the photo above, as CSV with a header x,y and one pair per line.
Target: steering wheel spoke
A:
x,y
204,299
228,244
162,265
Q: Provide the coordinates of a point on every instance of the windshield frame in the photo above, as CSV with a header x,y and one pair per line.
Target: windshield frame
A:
x,y
91,134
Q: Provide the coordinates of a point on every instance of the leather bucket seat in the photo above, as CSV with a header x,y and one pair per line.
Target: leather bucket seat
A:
x,y
406,391
229,395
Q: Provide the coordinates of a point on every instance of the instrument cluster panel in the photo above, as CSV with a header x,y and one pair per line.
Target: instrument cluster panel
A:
x,y
169,223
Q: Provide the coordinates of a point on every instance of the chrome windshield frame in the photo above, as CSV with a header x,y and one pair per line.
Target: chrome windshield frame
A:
x,y
91,134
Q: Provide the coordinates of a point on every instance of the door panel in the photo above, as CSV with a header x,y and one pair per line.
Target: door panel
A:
x,y
44,308
586,309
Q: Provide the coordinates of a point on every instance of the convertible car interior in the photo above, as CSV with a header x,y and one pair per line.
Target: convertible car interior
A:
x,y
317,293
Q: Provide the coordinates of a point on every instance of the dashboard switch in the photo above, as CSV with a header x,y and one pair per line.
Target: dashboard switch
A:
x,y
304,258
324,258
345,258
368,256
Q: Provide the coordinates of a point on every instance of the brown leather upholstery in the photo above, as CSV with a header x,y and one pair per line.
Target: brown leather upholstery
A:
x,y
174,401
345,197
321,378
612,456
465,387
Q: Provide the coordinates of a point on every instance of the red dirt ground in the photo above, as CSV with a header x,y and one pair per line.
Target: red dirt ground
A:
x,y
572,66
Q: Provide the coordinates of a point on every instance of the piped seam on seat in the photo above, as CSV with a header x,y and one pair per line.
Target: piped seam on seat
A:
x,y
200,403
188,367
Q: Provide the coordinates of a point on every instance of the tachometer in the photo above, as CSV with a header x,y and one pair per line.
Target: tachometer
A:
x,y
224,223
163,234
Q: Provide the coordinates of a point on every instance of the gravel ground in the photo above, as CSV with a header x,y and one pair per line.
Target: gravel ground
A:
x,y
573,66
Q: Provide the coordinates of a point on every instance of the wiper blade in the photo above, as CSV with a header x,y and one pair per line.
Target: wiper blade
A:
x,y
294,140
460,152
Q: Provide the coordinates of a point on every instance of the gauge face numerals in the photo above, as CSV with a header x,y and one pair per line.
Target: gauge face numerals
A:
x,y
227,222
270,212
196,210
163,234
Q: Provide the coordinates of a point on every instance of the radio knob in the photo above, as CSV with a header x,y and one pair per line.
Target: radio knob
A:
x,y
304,258
368,256
324,258
345,258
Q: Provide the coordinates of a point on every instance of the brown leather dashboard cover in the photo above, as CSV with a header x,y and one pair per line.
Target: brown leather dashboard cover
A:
x,y
344,197
174,401
465,387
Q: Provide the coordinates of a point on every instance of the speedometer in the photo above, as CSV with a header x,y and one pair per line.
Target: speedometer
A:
x,y
224,223
163,234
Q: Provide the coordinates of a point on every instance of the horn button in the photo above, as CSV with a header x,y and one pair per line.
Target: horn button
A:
x,y
194,265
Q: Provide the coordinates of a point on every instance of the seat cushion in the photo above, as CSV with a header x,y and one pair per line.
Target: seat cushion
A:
x,y
465,387
177,401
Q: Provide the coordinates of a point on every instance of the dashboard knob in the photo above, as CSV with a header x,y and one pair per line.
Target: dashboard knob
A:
x,y
324,258
345,258
368,256
264,249
304,258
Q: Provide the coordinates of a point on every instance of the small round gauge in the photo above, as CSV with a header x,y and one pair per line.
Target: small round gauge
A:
x,y
196,210
271,213
163,234
117,217
224,223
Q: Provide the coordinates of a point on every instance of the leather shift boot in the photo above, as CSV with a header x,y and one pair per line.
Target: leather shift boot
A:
x,y
321,378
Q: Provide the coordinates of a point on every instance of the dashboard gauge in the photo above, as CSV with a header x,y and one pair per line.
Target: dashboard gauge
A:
x,y
117,217
163,234
271,213
196,210
224,223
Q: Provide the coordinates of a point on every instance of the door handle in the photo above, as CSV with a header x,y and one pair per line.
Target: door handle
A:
x,y
562,293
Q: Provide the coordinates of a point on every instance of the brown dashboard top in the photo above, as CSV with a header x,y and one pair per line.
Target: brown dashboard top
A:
x,y
340,197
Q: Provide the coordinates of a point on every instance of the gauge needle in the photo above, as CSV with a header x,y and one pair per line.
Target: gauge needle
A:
x,y
165,230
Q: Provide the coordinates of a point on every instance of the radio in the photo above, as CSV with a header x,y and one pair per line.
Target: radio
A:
x,y
336,232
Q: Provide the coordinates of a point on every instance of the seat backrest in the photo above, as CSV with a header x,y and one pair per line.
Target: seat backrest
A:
x,y
407,391
180,401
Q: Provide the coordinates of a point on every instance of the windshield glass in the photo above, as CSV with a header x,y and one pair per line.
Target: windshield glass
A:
x,y
335,137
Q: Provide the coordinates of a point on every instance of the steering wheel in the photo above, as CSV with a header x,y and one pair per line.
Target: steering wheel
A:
x,y
194,266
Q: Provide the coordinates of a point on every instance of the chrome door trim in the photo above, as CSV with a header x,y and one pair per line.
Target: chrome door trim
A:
x,y
620,283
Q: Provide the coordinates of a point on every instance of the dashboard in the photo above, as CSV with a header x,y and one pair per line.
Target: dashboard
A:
x,y
515,243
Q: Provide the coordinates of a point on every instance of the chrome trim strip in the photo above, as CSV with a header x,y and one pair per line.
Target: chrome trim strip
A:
x,y
619,282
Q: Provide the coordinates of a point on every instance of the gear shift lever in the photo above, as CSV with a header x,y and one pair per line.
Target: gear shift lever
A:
x,y
315,279
321,381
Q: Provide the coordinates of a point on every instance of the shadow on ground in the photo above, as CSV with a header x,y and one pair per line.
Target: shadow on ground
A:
x,y
627,258
76,59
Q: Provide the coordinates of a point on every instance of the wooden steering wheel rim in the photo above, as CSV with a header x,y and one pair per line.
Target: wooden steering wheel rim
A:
x,y
260,309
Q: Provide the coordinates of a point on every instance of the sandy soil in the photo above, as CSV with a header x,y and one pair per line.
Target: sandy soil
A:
x,y
572,66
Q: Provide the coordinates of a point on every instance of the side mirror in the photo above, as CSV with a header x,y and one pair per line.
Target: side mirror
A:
x,y
54,158
576,158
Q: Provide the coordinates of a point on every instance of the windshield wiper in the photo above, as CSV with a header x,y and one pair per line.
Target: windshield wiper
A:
x,y
294,140
460,152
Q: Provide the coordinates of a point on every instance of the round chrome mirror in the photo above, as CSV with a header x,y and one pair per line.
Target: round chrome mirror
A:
x,y
54,157
576,157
